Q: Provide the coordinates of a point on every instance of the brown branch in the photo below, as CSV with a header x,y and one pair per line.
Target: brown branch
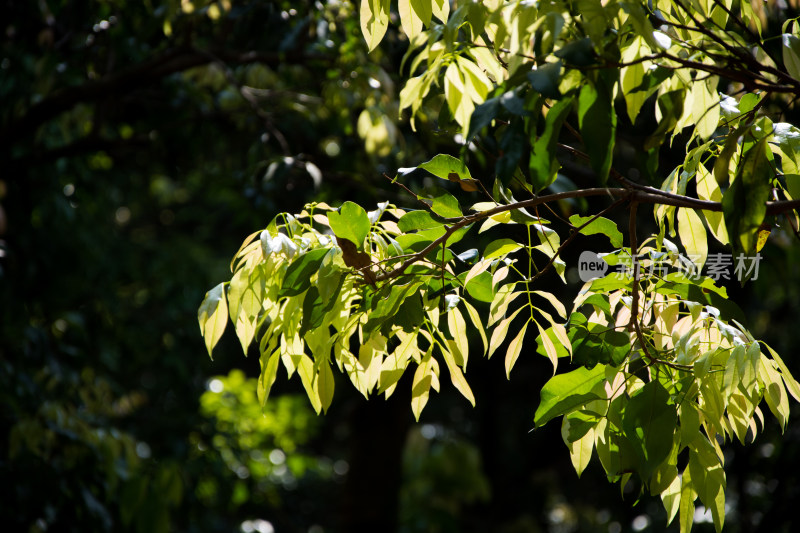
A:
x,y
132,78
639,194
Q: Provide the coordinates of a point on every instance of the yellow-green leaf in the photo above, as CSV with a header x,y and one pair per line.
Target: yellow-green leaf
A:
x,y
688,496
325,385
441,9
477,323
500,332
409,19
580,451
374,21
420,388
305,368
708,189
705,106
549,347
514,349
693,236
457,377
458,330
213,316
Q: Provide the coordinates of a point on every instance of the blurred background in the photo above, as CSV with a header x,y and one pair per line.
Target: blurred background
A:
x,y
140,143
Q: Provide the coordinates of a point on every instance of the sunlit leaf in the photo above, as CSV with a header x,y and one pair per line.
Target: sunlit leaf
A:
x,y
213,316
350,222
565,392
514,349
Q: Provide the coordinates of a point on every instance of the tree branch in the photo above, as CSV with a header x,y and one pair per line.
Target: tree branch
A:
x,y
132,78
639,194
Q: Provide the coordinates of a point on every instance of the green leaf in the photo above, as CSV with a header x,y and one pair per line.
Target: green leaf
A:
x,y
774,391
325,385
708,478
213,316
595,343
693,236
458,330
445,205
708,189
705,107
305,368
443,165
600,225
543,163
744,203
551,349
441,9
687,502
269,370
791,55
500,247
632,78
417,220
298,276
579,53
565,392
480,287
420,387
500,331
410,20
351,222
598,124
423,10
514,349
671,497
387,307
791,384
457,376
483,115
374,17
670,105
545,79
649,423
580,451
553,341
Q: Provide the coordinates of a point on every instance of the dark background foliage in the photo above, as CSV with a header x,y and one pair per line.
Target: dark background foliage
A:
x,y
140,142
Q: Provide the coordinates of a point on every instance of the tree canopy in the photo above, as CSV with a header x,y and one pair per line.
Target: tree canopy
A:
x,y
661,369
142,141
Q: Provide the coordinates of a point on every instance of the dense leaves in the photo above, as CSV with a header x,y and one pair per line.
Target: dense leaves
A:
x,y
665,362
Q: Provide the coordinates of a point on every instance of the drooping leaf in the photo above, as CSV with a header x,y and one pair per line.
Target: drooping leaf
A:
x,y
543,163
693,236
598,124
744,203
514,349
374,21
791,54
457,377
213,316
458,330
649,423
325,385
